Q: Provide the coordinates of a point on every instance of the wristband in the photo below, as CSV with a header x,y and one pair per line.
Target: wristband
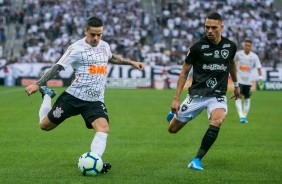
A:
x,y
260,77
236,84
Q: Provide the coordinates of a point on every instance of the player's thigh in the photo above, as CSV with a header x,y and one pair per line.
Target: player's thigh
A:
x,y
65,106
245,90
95,113
217,110
175,125
189,109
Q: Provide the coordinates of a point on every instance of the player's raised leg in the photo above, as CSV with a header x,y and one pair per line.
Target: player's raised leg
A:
x,y
46,106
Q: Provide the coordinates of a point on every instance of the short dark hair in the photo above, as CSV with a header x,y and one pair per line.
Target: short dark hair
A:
x,y
249,41
215,16
94,22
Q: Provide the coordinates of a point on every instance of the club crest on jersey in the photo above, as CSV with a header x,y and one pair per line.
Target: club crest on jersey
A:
x,y
57,113
224,53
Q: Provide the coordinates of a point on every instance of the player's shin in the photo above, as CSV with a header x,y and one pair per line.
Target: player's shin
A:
x,y
45,107
238,104
247,104
98,144
208,140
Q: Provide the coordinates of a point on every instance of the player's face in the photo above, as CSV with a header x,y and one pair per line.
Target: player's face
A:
x,y
213,30
247,47
93,35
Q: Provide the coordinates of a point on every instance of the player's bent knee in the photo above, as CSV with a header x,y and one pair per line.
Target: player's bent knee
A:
x,y
172,130
217,122
101,125
47,126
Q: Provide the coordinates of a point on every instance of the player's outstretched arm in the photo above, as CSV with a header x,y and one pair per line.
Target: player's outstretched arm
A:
x,y
180,84
116,59
47,76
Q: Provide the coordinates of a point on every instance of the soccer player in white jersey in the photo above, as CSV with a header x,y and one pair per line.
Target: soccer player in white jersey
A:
x,y
246,60
85,96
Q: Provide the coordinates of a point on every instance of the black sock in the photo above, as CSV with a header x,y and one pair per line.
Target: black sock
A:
x,y
208,140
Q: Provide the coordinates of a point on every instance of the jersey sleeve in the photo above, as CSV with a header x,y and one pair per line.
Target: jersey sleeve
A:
x,y
69,57
236,58
192,55
257,61
235,51
109,51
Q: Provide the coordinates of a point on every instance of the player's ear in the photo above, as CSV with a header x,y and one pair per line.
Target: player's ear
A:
x,y
222,26
85,30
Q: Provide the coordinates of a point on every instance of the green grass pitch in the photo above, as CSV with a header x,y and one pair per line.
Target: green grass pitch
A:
x,y
139,146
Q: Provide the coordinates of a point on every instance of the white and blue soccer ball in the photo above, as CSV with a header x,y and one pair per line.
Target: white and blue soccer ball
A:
x,y
90,164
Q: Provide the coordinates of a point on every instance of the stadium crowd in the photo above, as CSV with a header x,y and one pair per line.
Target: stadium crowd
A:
x,y
162,39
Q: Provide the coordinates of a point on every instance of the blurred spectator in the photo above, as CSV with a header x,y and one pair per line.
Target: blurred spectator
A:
x,y
51,25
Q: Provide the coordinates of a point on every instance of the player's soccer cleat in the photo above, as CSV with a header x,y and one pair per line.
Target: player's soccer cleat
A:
x,y
44,90
196,164
106,167
169,116
243,120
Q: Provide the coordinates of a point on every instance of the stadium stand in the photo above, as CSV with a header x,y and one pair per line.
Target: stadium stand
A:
x,y
158,32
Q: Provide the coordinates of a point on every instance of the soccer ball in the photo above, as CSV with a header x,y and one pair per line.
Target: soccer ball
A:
x,y
90,164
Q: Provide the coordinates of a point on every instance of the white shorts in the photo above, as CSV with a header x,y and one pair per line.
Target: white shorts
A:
x,y
191,107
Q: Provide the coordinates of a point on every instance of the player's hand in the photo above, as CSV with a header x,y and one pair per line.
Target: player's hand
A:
x,y
175,106
260,82
138,65
236,93
31,89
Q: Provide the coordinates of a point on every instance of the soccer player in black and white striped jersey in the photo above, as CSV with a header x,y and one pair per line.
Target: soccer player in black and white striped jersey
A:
x,y
88,57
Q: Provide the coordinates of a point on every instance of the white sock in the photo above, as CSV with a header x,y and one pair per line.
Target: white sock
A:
x,y
98,144
238,104
45,107
247,104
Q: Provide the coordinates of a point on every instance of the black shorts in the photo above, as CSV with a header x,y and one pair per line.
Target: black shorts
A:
x,y
245,90
67,105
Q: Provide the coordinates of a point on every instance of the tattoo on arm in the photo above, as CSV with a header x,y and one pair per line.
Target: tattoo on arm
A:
x,y
116,59
49,74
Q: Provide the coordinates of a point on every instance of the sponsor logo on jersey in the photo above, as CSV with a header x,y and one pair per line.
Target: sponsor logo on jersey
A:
x,y
245,68
207,54
225,46
205,47
224,53
57,113
97,69
211,83
214,67
216,54
92,93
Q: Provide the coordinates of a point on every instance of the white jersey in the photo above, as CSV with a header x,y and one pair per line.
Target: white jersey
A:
x,y
90,67
245,63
